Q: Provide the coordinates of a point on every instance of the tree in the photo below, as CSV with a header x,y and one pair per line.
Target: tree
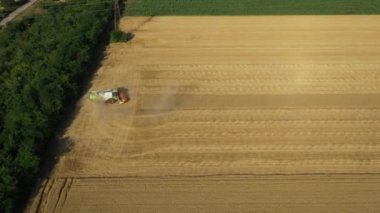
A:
x,y
42,61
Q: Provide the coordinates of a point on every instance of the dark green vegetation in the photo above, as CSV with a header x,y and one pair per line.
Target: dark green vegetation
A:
x,y
7,6
42,61
120,36
251,7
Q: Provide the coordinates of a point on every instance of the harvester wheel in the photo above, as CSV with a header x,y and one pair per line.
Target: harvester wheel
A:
x,y
111,101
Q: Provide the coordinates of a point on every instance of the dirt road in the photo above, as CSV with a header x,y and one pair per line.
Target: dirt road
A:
x,y
217,96
17,12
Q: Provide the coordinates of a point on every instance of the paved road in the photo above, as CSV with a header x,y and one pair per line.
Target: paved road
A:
x,y
17,12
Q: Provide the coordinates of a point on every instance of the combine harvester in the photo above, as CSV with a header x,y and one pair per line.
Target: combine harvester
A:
x,y
110,96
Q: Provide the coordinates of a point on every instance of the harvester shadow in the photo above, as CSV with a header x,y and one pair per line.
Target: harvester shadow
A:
x,y
130,36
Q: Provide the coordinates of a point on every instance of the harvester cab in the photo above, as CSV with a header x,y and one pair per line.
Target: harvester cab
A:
x,y
110,96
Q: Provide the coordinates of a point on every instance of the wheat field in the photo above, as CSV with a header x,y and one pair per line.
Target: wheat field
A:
x,y
229,114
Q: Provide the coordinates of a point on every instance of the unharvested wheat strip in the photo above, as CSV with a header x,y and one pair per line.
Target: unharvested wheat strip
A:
x,y
271,146
271,67
254,79
158,117
257,77
258,101
257,84
258,114
252,126
265,155
248,89
222,39
274,141
157,122
143,135
250,166
247,55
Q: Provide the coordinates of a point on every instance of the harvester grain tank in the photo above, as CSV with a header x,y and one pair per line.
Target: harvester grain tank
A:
x,y
110,96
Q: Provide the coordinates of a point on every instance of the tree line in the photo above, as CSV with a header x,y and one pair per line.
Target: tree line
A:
x,y
42,60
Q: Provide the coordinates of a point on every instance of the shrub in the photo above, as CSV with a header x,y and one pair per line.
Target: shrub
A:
x,y
120,36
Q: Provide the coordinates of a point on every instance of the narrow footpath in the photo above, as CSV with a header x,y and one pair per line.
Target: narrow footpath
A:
x,y
17,12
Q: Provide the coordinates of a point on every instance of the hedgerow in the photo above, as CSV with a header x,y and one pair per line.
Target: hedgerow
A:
x,y
42,60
